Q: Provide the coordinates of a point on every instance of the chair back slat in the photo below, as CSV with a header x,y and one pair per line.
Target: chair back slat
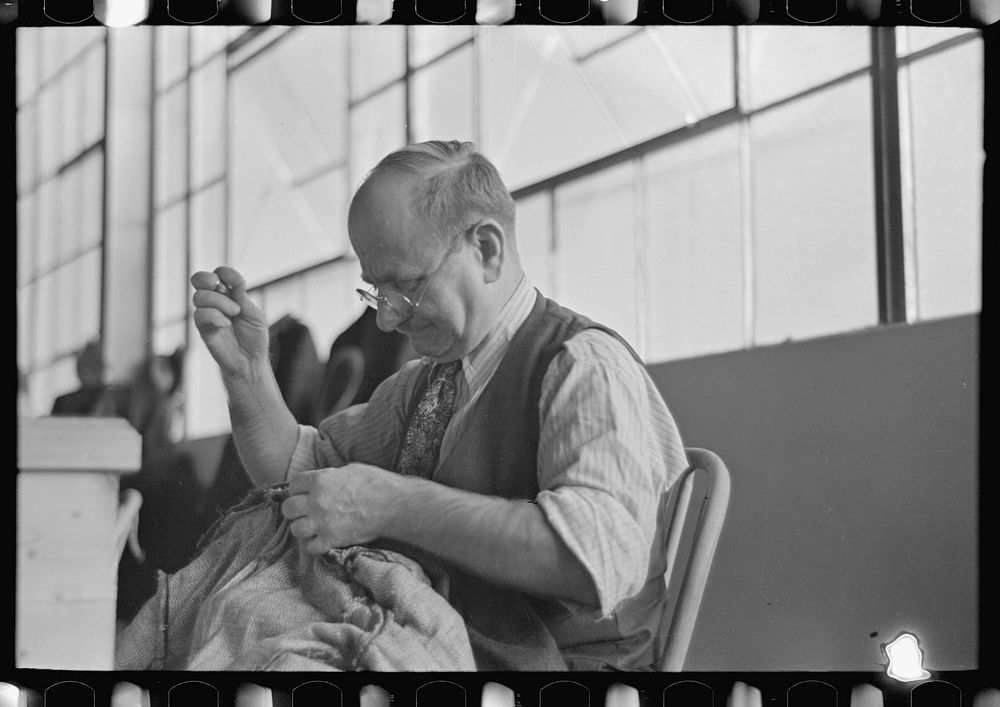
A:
x,y
694,512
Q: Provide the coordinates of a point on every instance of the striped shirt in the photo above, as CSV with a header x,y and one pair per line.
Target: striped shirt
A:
x,y
608,446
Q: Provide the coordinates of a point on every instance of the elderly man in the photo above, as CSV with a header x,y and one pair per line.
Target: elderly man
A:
x,y
527,451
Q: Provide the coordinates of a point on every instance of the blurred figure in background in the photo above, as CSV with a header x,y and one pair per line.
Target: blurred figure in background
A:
x,y
152,403
360,358
25,408
94,397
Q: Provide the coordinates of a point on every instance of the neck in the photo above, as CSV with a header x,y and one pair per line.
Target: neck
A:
x,y
503,290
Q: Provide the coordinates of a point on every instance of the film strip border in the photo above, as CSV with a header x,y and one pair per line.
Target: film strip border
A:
x,y
119,13
501,690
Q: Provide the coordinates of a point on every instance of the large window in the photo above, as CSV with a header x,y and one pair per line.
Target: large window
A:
x,y
60,197
189,205
942,135
701,189
722,197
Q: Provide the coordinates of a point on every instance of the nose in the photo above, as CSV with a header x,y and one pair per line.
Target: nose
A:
x,y
387,318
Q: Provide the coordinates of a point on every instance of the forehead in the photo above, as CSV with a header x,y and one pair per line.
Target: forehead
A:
x,y
386,233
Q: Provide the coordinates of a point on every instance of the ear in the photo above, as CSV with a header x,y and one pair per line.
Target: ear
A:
x,y
491,245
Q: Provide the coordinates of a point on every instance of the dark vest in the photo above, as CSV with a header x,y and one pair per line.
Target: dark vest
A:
x,y
496,455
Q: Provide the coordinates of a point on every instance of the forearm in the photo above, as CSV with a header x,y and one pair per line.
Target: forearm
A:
x,y
264,429
505,541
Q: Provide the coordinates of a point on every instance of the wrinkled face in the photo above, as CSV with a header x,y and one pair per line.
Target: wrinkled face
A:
x,y
399,252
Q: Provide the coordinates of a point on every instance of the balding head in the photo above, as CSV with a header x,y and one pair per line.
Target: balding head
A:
x,y
450,185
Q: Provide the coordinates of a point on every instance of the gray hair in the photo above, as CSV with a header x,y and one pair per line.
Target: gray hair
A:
x,y
456,184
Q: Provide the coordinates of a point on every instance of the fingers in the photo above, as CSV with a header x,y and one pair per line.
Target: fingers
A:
x,y
211,291
203,298
302,482
295,507
207,320
225,289
303,528
202,280
235,284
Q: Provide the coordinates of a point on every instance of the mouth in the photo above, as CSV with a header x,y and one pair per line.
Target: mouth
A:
x,y
409,329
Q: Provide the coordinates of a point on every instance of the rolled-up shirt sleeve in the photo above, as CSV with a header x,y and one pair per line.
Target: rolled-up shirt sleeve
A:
x,y
608,450
367,433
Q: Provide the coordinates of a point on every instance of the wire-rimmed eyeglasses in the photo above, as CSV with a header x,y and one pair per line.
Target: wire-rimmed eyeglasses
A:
x,y
398,305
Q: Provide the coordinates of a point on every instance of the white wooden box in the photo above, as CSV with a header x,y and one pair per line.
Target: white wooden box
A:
x,y
67,539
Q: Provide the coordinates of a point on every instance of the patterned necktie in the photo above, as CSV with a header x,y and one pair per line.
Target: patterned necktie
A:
x,y
418,455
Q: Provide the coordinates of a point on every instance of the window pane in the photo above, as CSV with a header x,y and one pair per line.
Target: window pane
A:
x,y
694,255
67,284
26,238
285,297
27,62
539,117
53,49
45,319
90,295
377,128
49,131
70,206
534,239
170,60
170,274
171,145
787,60
208,228
913,39
327,197
47,215
661,79
90,222
206,41
443,99
27,156
593,276
430,41
208,130
71,86
234,31
376,57
92,112
25,325
289,152
585,39
813,216
946,98
293,99
257,44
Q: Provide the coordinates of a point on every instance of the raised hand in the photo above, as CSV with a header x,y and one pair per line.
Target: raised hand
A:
x,y
231,324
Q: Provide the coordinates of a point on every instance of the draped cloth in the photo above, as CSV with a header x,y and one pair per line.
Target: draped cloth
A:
x,y
254,599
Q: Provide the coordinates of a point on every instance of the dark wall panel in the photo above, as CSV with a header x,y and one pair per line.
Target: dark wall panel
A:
x,y
854,463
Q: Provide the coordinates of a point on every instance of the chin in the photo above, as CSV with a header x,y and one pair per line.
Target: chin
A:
x,y
426,344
